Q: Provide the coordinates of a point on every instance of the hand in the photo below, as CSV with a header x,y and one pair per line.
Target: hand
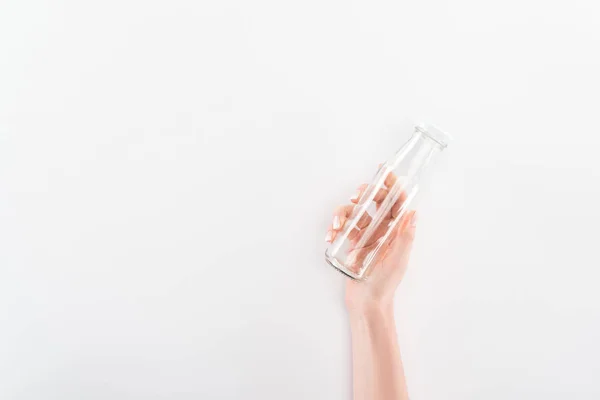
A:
x,y
384,276
387,273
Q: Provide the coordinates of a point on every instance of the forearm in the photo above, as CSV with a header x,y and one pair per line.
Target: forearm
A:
x,y
377,367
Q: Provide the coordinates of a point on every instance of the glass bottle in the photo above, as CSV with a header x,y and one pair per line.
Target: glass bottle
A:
x,y
384,203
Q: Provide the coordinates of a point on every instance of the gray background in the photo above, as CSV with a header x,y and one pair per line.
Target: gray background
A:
x,y
168,169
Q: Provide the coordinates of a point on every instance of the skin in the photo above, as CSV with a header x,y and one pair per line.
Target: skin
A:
x,y
378,373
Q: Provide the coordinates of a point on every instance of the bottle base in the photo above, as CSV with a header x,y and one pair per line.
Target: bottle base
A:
x,y
340,268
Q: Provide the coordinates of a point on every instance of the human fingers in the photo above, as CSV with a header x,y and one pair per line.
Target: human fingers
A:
x,y
332,234
397,242
396,209
361,191
375,250
375,244
390,178
409,230
357,256
408,222
399,250
405,231
392,184
362,223
384,235
340,217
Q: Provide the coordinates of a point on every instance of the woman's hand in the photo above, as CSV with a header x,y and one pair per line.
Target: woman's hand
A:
x,y
378,372
377,290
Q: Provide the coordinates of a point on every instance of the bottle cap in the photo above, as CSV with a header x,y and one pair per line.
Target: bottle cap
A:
x,y
435,134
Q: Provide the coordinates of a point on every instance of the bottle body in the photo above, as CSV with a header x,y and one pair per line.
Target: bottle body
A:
x,y
383,204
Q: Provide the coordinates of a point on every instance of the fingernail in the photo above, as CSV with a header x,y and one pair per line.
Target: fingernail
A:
x,y
354,196
328,236
413,220
336,222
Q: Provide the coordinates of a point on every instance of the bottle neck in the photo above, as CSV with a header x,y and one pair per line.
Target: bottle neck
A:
x,y
415,155
419,146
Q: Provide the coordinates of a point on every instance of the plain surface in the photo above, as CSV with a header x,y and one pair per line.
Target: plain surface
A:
x,y
168,169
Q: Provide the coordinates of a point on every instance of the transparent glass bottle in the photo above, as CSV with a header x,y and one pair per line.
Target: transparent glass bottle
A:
x,y
384,203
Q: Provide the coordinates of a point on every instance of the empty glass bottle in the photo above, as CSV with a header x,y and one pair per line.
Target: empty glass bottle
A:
x,y
384,203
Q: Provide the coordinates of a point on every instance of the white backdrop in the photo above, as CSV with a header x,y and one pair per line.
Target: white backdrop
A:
x,y
168,169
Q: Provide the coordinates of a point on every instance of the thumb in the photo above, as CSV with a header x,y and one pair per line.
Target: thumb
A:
x,y
402,243
409,231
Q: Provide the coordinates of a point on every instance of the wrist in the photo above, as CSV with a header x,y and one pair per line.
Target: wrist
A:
x,y
371,309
